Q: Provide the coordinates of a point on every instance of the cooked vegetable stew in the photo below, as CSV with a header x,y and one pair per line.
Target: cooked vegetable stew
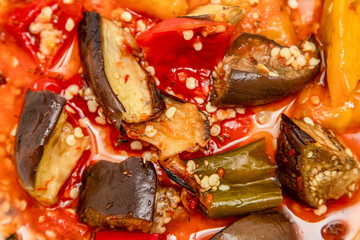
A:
x,y
179,119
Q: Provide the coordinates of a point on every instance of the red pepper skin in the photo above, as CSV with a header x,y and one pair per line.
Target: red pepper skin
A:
x,y
176,58
19,20
116,235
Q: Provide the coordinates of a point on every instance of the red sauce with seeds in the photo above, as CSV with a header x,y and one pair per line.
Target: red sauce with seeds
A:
x,y
341,220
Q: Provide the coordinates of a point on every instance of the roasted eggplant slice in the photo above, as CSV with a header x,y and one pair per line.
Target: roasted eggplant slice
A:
x,y
257,71
258,227
182,127
125,90
231,183
34,131
119,195
218,13
313,166
44,156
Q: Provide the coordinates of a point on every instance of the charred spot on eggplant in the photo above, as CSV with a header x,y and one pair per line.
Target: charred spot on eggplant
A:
x,y
125,90
313,165
258,71
41,111
182,127
119,195
258,226
44,155
218,13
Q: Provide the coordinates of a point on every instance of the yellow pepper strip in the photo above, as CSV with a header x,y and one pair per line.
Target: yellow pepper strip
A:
x,y
157,8
340,33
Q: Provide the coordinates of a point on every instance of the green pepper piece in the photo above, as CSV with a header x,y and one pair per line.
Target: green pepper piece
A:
x,y
242,165
238,200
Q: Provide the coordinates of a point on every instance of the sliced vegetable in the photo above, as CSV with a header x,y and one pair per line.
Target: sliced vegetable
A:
x,y
269,18
180,48
230,183
247,182
241,165
176,170
217,12
34,131
257,71
313,165
117,235
340,23
156,8
125,90
40,27
241,199
182,127
46,150
258,226
119,195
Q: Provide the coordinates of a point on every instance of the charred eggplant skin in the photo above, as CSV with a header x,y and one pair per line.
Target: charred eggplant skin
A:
x,y
119,195
313,166
244,88
90,42
258,227
40,113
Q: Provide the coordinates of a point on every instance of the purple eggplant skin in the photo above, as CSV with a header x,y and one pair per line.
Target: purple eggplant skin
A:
x,y
38,119
258,227
90,42
119,195
246,86
313,166
92,37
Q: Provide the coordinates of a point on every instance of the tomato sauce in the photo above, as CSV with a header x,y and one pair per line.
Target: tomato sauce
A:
x,y
20,213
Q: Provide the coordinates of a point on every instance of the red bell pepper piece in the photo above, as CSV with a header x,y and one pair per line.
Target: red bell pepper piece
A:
x,y
179,48
20,19
116,235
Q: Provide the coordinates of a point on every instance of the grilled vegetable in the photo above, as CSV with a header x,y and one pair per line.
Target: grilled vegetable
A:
x,y
231,183
313,166
44,158
257,71
258,226
217,12
176,170
183,127
119,195
156,8
241,199
340,23
241,165
125,90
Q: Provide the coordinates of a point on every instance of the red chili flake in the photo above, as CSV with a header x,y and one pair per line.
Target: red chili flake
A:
x,y
221,172
291,152
209,199
126,78
193,202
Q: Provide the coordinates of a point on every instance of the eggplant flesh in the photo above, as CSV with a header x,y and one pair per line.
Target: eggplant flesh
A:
x,y
313,165
258,227
43,119
41,111
119,195
126,91
218,13
251,74
182,127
